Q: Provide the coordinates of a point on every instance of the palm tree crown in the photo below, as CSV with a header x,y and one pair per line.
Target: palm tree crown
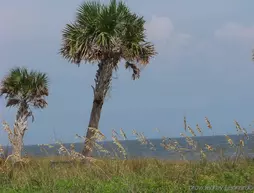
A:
x,y
22,86
106,31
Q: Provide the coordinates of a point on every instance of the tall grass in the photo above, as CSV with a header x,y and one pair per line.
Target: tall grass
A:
x,y
131,175
139,175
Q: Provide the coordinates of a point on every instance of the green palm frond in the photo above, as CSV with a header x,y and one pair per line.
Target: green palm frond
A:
x,y
140,53
106,31
20,85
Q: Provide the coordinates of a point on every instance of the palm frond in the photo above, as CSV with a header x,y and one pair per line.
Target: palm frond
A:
x,y
21,85
39,103
101,32
12,102
135,70
140,53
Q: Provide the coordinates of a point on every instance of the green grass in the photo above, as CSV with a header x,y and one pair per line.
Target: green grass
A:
x,y
131,176
116,176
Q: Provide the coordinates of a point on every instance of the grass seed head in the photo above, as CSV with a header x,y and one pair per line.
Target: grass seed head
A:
x,y
208,123
242,143
185,123
230,141
191,131
199,129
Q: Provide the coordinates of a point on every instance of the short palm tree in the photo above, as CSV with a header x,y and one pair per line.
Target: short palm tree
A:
x,y
106,35
23,89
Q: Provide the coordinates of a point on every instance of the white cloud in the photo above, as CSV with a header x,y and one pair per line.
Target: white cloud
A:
x,y
159,28
162,29
162,32
235,31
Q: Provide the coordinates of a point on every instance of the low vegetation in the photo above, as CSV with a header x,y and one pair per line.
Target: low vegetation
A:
x,y
72,172
116,176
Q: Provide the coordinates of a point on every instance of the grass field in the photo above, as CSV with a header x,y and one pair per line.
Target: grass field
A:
x,y
145,175
120,176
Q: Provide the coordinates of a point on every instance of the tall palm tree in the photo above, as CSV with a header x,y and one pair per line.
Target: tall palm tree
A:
x,y
23,89
106,35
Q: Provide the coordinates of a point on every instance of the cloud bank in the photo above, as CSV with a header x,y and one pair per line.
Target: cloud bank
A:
x,y
162,29
235,31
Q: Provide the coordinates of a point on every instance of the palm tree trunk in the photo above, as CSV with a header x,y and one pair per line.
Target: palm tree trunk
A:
x,y
17,146
20,126
102,84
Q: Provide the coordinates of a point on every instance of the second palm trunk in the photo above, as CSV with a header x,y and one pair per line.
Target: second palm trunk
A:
x,y
102,84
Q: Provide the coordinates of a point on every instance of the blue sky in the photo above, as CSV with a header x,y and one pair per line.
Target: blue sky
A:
x,y
203,68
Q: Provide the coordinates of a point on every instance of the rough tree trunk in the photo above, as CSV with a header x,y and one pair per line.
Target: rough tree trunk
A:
x,y
102,84
17,146
20,126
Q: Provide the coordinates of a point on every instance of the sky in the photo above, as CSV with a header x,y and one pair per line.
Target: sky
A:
x,y
203,69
